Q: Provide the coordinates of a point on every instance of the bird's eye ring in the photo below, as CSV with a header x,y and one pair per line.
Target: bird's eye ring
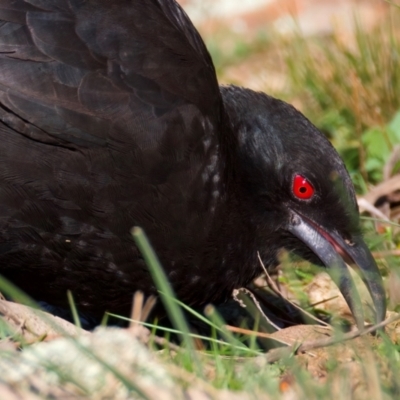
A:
x,y
302,188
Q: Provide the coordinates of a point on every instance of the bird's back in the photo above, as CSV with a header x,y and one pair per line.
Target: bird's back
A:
x,y
108,119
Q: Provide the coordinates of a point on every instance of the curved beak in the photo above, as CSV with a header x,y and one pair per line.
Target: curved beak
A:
x,y
334,251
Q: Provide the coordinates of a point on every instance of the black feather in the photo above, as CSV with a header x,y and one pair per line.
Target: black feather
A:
x,y
111,117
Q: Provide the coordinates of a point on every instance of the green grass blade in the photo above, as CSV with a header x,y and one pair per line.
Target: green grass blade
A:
x,y
74,310
166,292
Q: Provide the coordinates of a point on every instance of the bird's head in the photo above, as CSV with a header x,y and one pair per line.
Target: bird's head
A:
x,y
297,182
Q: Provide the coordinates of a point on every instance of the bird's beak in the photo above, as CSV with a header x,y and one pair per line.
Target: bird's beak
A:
x,y
333,251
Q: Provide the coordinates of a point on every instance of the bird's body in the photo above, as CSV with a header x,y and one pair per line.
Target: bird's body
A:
x,y
111,117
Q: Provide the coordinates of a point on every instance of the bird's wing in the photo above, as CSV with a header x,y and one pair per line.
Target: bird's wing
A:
x,y
109,113
73,69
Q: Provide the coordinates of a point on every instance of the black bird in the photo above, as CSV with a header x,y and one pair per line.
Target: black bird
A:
x,y
111,117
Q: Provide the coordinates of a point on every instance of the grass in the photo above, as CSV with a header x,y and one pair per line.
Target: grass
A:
x,y
346,84
232,365
225,366
236,363
350,90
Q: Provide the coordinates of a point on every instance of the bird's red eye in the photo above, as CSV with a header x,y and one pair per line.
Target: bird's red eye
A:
x,y
302,188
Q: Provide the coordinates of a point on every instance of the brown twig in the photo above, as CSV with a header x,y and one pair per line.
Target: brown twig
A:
x,y
277,354
140,311
255,333
389,186
391,163
148,307
386,253
256,303
276,290
365,205
166,343
137,305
